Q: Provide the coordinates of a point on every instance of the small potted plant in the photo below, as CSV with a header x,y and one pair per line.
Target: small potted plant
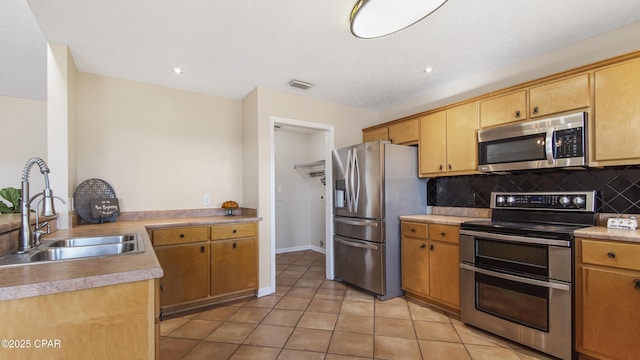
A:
x,y
12,196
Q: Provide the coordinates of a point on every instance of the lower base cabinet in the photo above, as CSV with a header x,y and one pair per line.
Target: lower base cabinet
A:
x,y
204,265
430,263
608,296
108,322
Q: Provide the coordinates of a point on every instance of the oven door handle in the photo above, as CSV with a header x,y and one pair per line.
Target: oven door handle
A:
x,y
518,239
356,245
547,284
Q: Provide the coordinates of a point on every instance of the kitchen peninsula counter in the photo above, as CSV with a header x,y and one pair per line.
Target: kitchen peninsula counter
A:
x,y
45,278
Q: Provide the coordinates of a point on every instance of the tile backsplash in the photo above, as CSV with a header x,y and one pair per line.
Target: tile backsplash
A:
x,y
618,188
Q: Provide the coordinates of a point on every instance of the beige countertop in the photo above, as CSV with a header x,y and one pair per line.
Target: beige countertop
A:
x,y
35,279
604,233
439,219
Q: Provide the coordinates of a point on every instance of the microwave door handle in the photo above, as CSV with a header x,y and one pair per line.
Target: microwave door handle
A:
x,y
549,145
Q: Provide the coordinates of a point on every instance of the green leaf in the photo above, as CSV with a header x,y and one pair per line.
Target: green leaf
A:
x,y
4,209
12,195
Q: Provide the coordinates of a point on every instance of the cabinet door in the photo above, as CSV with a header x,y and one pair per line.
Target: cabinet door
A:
x,y
404,132
433,143
234,265
186,272
562,95
503,109
462,138
617,113
415,265
444,272
610,320
375,134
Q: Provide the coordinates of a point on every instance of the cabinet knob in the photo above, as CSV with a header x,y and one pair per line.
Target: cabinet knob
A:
x,y
161,287
517,114
443,234
431,247
234,231
235,245
423,246
202,249
181,236
391,141
636,284
440,167
535,110
611,255
413,230
450,168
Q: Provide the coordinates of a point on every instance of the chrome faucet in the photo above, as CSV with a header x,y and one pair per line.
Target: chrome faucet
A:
x,y
27,238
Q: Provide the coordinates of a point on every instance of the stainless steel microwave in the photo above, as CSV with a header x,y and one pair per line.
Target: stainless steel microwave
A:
x,y
554,142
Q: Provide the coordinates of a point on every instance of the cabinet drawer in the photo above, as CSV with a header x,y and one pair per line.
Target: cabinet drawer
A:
x,y
447,233
180,235
232,231
620,255
413,229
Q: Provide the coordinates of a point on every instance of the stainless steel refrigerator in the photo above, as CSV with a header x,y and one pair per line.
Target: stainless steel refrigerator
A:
x,y
374,183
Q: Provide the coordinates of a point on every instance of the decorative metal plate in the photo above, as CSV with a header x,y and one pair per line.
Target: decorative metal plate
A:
x,y
93,189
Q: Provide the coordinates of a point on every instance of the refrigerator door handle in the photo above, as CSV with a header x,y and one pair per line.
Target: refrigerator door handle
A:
x,y
356,170
347,180
357,223
357,245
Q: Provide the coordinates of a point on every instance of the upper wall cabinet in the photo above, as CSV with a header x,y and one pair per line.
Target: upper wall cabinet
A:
x,y
375,134
617,114
558,96
448,142
503,109
404,133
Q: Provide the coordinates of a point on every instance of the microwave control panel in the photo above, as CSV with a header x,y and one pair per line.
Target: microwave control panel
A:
x,y
569,143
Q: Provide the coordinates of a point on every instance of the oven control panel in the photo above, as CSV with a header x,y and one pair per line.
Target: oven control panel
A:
x,y
573,201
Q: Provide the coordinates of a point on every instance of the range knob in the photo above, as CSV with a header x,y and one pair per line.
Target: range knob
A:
x,y
511,199
500,199
564,200
578,201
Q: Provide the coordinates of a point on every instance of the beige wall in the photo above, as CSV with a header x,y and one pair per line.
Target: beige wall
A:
x,y
159,148
24,128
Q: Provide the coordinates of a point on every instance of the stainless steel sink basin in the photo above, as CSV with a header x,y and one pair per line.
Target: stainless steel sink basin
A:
x,y
63,253
93,240
77,248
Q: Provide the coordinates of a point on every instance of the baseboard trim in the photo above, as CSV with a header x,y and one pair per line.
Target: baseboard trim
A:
x,y
301,248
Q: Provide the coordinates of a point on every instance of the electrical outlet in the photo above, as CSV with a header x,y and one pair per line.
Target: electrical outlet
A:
x,y
207,199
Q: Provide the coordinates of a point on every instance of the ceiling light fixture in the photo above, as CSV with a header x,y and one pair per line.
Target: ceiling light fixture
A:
x,y
376,18
177,70
428,69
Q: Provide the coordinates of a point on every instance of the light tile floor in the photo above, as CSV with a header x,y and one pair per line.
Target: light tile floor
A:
x,y
310,317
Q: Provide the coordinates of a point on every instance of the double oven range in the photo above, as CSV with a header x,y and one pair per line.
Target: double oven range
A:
x,y
516,270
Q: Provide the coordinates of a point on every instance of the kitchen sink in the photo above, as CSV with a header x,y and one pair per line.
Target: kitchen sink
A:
x,y
93,240
77,248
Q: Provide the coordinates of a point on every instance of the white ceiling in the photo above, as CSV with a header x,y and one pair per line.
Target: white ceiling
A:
x,y
227,48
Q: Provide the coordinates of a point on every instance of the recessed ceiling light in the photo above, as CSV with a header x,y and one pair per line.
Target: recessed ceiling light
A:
x,y
428,69
300,84
177,70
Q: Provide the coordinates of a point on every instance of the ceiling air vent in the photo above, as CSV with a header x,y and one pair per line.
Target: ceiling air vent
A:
x,y
300,84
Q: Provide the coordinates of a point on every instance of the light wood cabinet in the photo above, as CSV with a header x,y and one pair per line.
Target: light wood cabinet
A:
x,y
107,322
608,292
558,96
375,134
448,142
617,114
503,109
430,263
206,264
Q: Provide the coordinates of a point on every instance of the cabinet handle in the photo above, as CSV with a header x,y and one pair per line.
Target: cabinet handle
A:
x,y
391,141
517,113
440,167
450,168
423,246
431,247
535,110
636,284
443,234
413,230
181,236
611,254
234,231
235,245
161,287
202,249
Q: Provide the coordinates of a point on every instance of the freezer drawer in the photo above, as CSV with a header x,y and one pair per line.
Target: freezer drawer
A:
x,y
368,230
360,263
